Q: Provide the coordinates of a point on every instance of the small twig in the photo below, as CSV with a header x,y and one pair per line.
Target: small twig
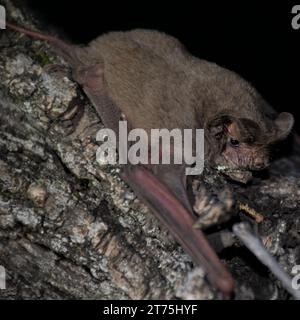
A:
x,y
251,212
243,232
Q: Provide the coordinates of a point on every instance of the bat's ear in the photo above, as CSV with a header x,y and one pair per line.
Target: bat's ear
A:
x,y
217,126
283,126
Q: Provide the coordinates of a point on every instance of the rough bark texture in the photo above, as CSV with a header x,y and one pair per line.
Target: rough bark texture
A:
x,y
70,228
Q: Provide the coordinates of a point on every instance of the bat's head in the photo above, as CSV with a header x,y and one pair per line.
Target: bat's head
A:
x,y
241,145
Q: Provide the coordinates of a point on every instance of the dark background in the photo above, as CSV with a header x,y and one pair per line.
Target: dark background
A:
x,y
254,39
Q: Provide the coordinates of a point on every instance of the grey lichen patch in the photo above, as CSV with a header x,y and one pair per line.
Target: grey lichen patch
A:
x,y
27,216
286,188
73,160
95,231
77,225
21,76
17,66
194,287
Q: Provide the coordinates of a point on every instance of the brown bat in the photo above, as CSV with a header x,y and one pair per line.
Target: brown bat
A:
x,y
150,78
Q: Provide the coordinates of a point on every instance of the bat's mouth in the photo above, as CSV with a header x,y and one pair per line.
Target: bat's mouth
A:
x,y
243,176
239,175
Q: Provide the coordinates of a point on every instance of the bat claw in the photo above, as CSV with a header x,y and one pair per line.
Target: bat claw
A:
x,y
57,70
212,210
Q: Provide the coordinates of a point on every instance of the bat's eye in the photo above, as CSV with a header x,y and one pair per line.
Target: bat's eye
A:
x,y
234,143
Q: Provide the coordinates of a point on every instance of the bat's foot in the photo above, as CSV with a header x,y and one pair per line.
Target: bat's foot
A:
x,y
212,209
70,119
221,240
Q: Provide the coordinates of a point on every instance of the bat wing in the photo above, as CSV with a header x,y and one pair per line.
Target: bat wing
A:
x,y
93,83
